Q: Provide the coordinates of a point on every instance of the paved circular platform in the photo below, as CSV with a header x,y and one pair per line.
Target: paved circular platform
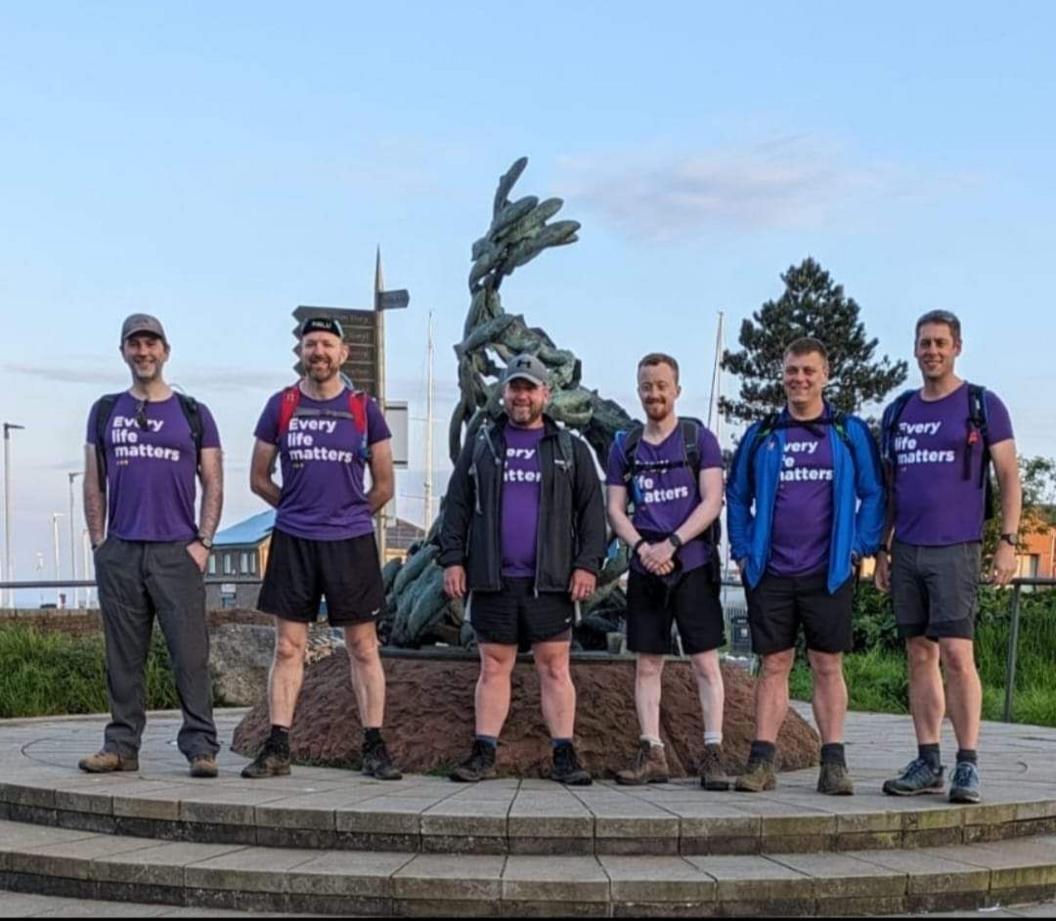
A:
x,y
331,808
330,841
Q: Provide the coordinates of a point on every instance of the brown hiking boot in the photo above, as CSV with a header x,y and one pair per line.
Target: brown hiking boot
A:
x,y
203,766
833,780
650,766
104,762
270,762
712,776
759,776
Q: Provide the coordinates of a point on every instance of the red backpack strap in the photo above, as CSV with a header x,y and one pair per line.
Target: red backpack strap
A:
x,y
291,399
357,405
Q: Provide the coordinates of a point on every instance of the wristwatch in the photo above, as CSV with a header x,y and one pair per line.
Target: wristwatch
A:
x,y
675,540
206,542
1009,538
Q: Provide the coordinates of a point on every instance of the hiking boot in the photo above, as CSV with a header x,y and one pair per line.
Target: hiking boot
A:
x,y
916,777
650,766
760,775
104,762
834,779
480,765
377,763
567,769
270,762
712,776
964,784
203,766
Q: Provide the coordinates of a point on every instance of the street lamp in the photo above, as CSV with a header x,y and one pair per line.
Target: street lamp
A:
x,y
55,516
9,558
73,541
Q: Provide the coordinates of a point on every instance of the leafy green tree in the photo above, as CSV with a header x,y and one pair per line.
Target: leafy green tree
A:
x,y
1037,476
812,305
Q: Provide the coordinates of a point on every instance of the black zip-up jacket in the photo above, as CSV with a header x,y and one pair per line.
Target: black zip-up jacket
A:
x,y
571,532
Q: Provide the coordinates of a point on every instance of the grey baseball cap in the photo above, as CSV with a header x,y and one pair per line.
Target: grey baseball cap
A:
x,y
142,323
529,368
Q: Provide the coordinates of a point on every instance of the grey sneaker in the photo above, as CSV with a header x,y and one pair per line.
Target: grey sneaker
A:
x,y
916,777
964,784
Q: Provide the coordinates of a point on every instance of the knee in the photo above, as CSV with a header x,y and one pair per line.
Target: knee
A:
x,y
494,669
778,665
363,650
922,655
958,662
288,651
649,668
827,667
554,671
707,669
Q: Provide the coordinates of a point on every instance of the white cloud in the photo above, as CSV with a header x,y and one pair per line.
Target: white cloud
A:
x,y
786,183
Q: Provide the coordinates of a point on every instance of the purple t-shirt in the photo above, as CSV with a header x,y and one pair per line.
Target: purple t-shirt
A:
x,y
664,492
802,528
151,472
935,505
522,479
321,454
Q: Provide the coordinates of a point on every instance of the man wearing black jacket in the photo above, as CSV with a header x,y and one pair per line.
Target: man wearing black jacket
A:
x,y
524,534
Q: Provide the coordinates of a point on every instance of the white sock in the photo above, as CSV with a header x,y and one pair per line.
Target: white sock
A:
x,y
656,743
713,738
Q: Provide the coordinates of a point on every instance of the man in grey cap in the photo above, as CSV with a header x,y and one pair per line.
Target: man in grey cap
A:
x,y
523,533
146,446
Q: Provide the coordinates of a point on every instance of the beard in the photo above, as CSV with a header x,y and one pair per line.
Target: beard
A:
x,y
657,410
322,371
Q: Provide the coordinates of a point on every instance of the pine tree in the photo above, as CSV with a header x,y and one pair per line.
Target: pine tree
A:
x,y
812,305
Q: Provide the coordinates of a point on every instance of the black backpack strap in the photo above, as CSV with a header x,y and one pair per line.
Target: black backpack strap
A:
x,y
889,427
193,414
568,454
767,427
104,409
978,429
627,441
691,444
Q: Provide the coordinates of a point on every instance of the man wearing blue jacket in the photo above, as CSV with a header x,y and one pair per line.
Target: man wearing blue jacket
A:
x,y
805,502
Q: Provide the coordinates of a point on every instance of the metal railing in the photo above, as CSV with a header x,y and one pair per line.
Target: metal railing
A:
x,y
1017,586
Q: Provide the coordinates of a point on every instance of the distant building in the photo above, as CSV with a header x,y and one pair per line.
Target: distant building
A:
x,y
240,555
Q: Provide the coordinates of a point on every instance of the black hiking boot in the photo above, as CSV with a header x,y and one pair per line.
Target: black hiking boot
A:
x,y
480,765
377,762
567,769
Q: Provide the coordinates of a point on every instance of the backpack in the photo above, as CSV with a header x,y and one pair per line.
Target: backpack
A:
x,y
977,423
774,421
357,412
105,409
628,440
564,445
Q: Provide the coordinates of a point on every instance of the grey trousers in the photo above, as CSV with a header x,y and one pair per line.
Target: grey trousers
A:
x,y
138,580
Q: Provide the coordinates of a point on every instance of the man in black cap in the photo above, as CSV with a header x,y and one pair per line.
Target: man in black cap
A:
x,y
145,448
325,435
523,532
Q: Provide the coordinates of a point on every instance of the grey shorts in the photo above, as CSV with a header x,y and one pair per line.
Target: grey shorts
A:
x,y
936,589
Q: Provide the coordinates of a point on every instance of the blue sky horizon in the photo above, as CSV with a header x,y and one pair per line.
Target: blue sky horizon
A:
x,y
220,166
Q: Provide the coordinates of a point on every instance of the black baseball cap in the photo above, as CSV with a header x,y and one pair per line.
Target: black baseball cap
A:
x,y
322,325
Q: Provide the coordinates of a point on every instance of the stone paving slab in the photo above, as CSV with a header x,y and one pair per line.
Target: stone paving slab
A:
x,y
323,808
283,879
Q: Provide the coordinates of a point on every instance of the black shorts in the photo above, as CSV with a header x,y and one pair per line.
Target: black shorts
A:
x,y
779,604
301,571
936,589
516,616
691,600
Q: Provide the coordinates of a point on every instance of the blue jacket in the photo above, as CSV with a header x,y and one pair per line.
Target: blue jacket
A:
x,y
857,488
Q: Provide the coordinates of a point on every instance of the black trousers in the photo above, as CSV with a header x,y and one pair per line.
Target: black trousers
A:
x,y
137,581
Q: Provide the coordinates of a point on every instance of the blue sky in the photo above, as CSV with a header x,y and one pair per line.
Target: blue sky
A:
x,y
220,164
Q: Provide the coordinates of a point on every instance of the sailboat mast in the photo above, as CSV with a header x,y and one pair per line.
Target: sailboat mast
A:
x,y
429,425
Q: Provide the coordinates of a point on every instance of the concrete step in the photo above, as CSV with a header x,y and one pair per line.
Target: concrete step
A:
x,y
78,864
327,809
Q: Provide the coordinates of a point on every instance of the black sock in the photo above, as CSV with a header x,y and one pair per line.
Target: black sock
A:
x,y
762,751
280,736
968,754
371,737
929,754
832,753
